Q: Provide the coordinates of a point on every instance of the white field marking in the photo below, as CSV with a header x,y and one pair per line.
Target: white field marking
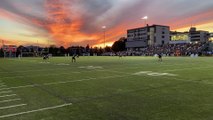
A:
x,y
191,80
24,86
142,72
160,74
24,60
90,67
49,74
186,69
10,100
24,71
4,89
114,71
5,92
139,66
7,95
188,80
44,62
38,75
63,64
1,86
34,75
80,80
150,73
12,106
76,72
51,83
190,68
64,82
37,110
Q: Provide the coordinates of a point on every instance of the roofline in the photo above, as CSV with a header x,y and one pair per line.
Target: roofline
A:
x,y
154,25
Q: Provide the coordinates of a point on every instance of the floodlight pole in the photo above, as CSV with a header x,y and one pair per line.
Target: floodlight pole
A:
x,y
48,48
3,48
37,48
104,28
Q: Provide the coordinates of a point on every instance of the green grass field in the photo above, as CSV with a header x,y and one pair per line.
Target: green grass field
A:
x,y
107,88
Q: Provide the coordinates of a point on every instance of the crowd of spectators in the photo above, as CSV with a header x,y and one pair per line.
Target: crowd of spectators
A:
x,y
186,49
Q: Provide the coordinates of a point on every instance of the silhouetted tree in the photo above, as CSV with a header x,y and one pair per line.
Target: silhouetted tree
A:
x,y
62,51
87,48
53,50
108,49
100,51
19,50
1,53
119,45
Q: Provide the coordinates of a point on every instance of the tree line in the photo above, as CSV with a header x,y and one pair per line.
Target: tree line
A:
x,y
27,51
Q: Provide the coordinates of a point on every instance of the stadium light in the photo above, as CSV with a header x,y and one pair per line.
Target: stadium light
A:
x,y
104,27
145,18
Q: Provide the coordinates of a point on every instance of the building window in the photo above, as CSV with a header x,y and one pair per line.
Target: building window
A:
x,y
163,32
163,42
163,36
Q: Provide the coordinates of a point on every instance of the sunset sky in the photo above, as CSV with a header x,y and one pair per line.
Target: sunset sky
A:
x,y
79,22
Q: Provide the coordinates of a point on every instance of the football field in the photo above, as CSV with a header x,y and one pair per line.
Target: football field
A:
x,y
106,88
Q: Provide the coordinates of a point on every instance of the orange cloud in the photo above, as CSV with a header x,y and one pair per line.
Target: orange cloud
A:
x,y
62,26
195,20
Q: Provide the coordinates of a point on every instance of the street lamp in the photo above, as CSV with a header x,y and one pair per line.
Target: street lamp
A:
x,y
104,28
48,48
145,18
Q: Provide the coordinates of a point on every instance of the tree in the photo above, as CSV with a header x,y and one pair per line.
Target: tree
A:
x,y
119,45
53,50
87,48
62,50
19,50
1,53
107,49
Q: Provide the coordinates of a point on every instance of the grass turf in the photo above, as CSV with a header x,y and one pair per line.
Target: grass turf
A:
x,y
106,88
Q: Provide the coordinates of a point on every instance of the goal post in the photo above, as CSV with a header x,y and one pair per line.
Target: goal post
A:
x,y
9,51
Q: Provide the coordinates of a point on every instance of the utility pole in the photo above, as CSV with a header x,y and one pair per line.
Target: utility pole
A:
x,y
104,28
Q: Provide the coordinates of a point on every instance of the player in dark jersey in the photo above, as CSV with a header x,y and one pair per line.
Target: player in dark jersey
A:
x,y
73,58
45,57
160,57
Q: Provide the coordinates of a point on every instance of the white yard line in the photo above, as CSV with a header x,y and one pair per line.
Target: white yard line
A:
x,y
10,100
24,86
191,80
33,70
181,79
181,69
2,92
4,89
36,110
7,95
38,75
1,86
64,82
12,106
